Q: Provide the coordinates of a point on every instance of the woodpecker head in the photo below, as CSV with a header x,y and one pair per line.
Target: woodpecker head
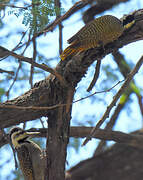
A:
x,y
19,136
128,21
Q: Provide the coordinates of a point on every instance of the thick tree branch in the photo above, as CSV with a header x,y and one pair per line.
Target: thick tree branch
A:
x,y
134,139
72,70
120,161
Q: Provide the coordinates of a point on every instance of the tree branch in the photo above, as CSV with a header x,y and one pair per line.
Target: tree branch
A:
x,y
100,7
120,161
5,71
115,99
72,70
134,139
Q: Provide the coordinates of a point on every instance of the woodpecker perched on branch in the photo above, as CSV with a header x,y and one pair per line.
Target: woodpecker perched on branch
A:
x,y
98,32
30,155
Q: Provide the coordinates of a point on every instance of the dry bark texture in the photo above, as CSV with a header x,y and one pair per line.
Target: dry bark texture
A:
x,y
119,162
45,92
50,92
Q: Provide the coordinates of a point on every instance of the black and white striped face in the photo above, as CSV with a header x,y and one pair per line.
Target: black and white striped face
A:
x,y
128,21
17,136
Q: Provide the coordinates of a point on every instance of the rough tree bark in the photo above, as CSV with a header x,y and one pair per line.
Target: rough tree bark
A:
x,y
72,70
50,92
118,162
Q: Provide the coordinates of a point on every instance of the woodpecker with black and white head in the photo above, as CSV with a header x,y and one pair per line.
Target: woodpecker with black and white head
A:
x,y
30,155
99,32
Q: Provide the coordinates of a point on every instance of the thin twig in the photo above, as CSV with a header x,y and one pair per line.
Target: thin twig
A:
x,y
19,7
19,67
14,154
5,71
33,59
110,125
22,37
58,15
51,26
77,6
96,75
140,101
29,60
42,123
57,105
115,99
15,78
99,92
7,139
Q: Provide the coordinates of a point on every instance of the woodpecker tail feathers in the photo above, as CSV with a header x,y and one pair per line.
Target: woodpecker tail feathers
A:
x,y
70,50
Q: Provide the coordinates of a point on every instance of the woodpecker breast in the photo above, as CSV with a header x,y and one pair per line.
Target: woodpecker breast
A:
x,y
98,32
31,161
30,155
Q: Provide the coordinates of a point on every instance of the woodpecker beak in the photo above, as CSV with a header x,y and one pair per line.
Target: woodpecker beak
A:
x,y
26,135
19,136
31,134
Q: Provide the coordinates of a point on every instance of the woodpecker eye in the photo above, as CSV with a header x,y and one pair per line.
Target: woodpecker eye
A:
x,y
128,19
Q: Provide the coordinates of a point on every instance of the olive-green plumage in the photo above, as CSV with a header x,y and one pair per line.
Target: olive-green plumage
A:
x,y
31,157
98,32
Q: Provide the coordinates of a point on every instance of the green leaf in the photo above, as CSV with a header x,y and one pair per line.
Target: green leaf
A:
x,y
123,98
135,88
2,92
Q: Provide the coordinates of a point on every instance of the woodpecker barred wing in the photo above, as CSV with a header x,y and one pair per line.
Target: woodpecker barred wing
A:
x,y
99,32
